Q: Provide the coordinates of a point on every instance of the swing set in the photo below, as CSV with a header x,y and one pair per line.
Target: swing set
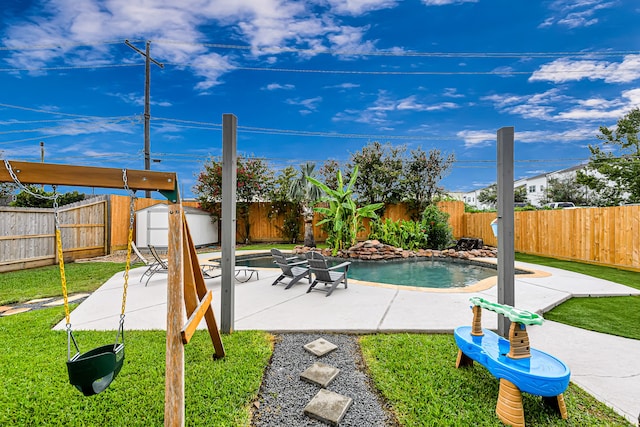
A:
x,y
93,371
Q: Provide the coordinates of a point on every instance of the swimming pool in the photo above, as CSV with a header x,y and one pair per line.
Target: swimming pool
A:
x,y
423,273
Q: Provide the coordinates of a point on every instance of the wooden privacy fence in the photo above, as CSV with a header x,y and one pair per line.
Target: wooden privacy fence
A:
x,y
98,226
608,236
27,235
263,229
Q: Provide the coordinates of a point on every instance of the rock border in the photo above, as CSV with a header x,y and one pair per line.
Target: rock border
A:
x,y
374,250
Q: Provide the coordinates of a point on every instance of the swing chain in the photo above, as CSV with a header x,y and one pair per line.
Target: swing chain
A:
x,y
132,207
54,197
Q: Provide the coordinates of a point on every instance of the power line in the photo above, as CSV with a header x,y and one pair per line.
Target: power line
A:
x,y
63,45
401,52
385,53
81,116
70,67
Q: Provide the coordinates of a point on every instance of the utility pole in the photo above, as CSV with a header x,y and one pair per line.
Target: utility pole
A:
x,y
147,114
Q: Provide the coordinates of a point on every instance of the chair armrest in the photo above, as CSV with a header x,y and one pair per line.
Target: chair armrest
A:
x,y
344,265
294,264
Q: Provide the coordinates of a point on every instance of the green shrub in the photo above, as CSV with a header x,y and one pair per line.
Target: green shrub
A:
x,y
432,232
436,223
402,234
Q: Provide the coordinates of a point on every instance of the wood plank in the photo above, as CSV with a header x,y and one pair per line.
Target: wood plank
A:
x,y
174,376
85,176
194,320
201,289
28,236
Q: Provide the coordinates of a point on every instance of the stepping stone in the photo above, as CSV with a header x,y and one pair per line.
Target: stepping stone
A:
x,y
328,407
320,347
15,311
69,299
37,301
320,374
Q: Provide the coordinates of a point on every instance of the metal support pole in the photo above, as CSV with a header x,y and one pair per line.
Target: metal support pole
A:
x,y
506,246
229,183
147,103
147,113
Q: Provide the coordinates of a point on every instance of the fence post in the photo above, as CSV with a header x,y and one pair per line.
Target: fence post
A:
x,y
229,177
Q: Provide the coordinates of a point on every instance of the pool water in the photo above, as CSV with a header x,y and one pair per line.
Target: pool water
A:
x,y
420,273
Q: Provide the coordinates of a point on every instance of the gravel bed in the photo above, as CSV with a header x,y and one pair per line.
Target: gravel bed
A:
x,y
283,395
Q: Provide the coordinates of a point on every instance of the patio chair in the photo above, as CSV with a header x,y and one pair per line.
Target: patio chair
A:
x,y
330,276
158,266
150,264
291,269
212,269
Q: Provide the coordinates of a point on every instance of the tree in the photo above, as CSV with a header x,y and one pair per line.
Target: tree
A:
x,y
329,173
520,194
489,195
306,194
380,169
282,205
422,174
6,191
254,181
342,217
613,171
565,189
27,199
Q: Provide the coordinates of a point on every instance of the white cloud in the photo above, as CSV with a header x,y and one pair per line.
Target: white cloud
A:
x,y
602,109
278,86
309,104
410,103
446,2
554,106
343,86
138,99
564,70
379,111
178,28
359,7
575,13
537,106
452,92
484,138
476,139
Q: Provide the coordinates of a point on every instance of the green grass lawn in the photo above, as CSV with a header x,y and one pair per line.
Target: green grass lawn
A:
x,y
610,315
414,372
35,389
23,285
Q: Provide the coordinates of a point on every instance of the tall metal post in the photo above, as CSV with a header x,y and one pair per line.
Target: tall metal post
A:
x,y
147,104
229,179
147,112
506,246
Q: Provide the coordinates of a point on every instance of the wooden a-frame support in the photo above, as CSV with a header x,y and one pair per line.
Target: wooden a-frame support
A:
x,y
185,283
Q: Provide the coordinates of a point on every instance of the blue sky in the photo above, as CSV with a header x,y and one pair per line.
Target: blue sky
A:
x,y
316,79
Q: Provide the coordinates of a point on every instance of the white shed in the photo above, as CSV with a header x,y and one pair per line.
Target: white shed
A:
x,y
152,226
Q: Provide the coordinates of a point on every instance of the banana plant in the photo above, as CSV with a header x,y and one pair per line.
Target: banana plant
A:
x,y
342,215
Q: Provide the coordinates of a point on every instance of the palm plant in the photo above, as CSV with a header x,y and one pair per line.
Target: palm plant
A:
x,y
304,193
342,215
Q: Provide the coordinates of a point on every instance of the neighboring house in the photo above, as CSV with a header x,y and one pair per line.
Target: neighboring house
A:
x,y
536,187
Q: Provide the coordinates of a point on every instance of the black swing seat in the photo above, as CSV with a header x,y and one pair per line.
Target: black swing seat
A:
x,y
93,371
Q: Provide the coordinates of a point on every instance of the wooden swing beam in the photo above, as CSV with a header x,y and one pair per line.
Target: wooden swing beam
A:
x,y
185,283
